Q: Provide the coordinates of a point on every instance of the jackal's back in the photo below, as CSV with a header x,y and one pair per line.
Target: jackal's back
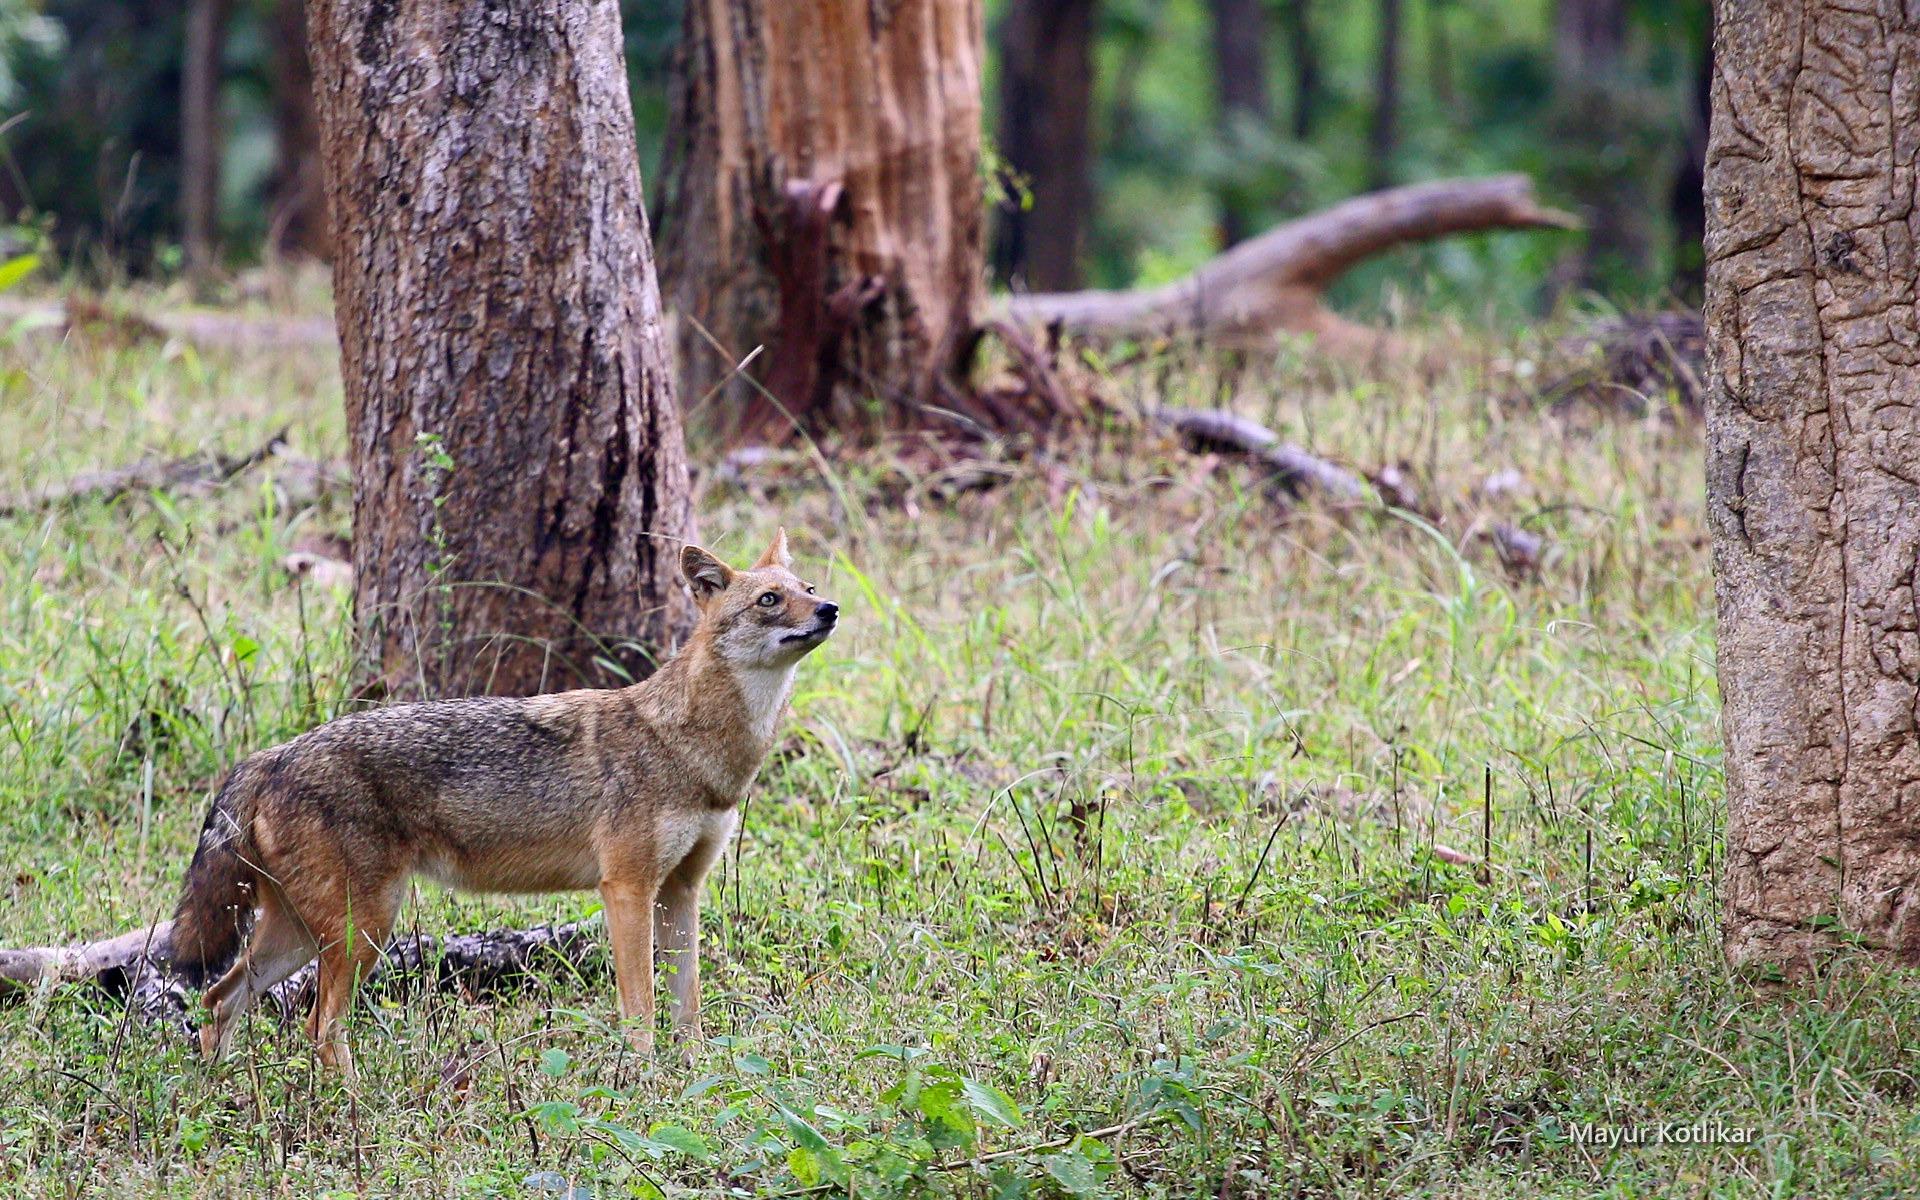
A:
x,y
470,774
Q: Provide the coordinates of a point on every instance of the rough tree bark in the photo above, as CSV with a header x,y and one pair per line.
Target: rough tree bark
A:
x,y
206,37
520,487
1814,500
823,202
1240,61
1276,282
1046,107
296,195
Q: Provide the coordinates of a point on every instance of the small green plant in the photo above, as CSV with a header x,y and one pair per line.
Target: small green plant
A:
x,y
436,471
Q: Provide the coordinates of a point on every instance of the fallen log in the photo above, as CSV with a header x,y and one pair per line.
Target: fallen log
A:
x,y
146,475
213,330
1276,283
1291,468
137,967
1296,472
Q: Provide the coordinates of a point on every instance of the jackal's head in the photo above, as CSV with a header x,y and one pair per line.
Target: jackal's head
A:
x,y
764,616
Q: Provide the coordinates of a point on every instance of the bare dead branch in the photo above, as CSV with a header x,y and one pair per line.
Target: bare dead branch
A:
x,y
1275,283
1296,470
146,475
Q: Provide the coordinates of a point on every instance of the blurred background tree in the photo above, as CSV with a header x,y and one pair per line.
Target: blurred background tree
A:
x,y
1130,139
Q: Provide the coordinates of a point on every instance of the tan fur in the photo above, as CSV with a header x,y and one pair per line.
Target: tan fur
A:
x,y
633,791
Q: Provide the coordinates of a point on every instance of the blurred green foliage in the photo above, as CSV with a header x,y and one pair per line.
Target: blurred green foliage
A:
x,y
88,103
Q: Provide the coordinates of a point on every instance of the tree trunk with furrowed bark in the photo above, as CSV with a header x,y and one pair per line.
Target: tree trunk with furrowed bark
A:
x,y
520,487
823,205
1813,492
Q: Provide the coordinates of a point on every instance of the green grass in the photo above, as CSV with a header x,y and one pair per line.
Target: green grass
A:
x,y
1123,802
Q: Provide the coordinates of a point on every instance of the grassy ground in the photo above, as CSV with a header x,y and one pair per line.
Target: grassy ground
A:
x,y
1112,848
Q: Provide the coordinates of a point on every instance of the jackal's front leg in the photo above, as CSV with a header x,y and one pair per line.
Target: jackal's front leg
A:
x,y
629,909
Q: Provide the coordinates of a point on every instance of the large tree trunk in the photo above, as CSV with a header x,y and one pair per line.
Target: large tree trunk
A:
x,y
520,487
1046,108
1813,496
296,196
823,202
206,36
1240,63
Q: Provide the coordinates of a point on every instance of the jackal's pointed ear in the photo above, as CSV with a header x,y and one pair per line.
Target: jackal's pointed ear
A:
x,y
707,574
776,555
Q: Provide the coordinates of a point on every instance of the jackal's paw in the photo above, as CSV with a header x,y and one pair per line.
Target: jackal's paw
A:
x,y
335,1056
640,1037
689,1045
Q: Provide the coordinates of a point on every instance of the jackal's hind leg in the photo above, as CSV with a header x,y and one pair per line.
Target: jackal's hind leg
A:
x,y
279,946
349,950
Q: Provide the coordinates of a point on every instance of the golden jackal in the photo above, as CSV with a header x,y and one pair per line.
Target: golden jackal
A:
x,y
633,791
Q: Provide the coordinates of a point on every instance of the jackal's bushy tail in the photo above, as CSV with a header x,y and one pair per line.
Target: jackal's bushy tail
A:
x,y
216,902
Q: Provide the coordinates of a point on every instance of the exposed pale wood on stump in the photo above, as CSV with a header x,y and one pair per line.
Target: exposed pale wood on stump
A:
x,y
775,101
1813,494
494,292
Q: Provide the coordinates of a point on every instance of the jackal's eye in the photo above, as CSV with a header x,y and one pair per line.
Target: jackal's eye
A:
x,y
769,599
810,590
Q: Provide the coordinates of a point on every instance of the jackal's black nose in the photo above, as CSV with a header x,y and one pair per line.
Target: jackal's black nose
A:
x,y
828,612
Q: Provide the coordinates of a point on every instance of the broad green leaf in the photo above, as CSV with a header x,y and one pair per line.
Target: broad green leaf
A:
x,y
1073,1172
992,1103
802,1132
685,1141
15,270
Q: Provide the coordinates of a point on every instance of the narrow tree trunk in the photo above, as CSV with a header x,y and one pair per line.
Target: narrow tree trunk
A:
x,y
1306,67
520,489
206,34
1688,202
1046,108
1605,145
296,196
1240,64
1440,57
1588,35
822,205
1383,138
1813,498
